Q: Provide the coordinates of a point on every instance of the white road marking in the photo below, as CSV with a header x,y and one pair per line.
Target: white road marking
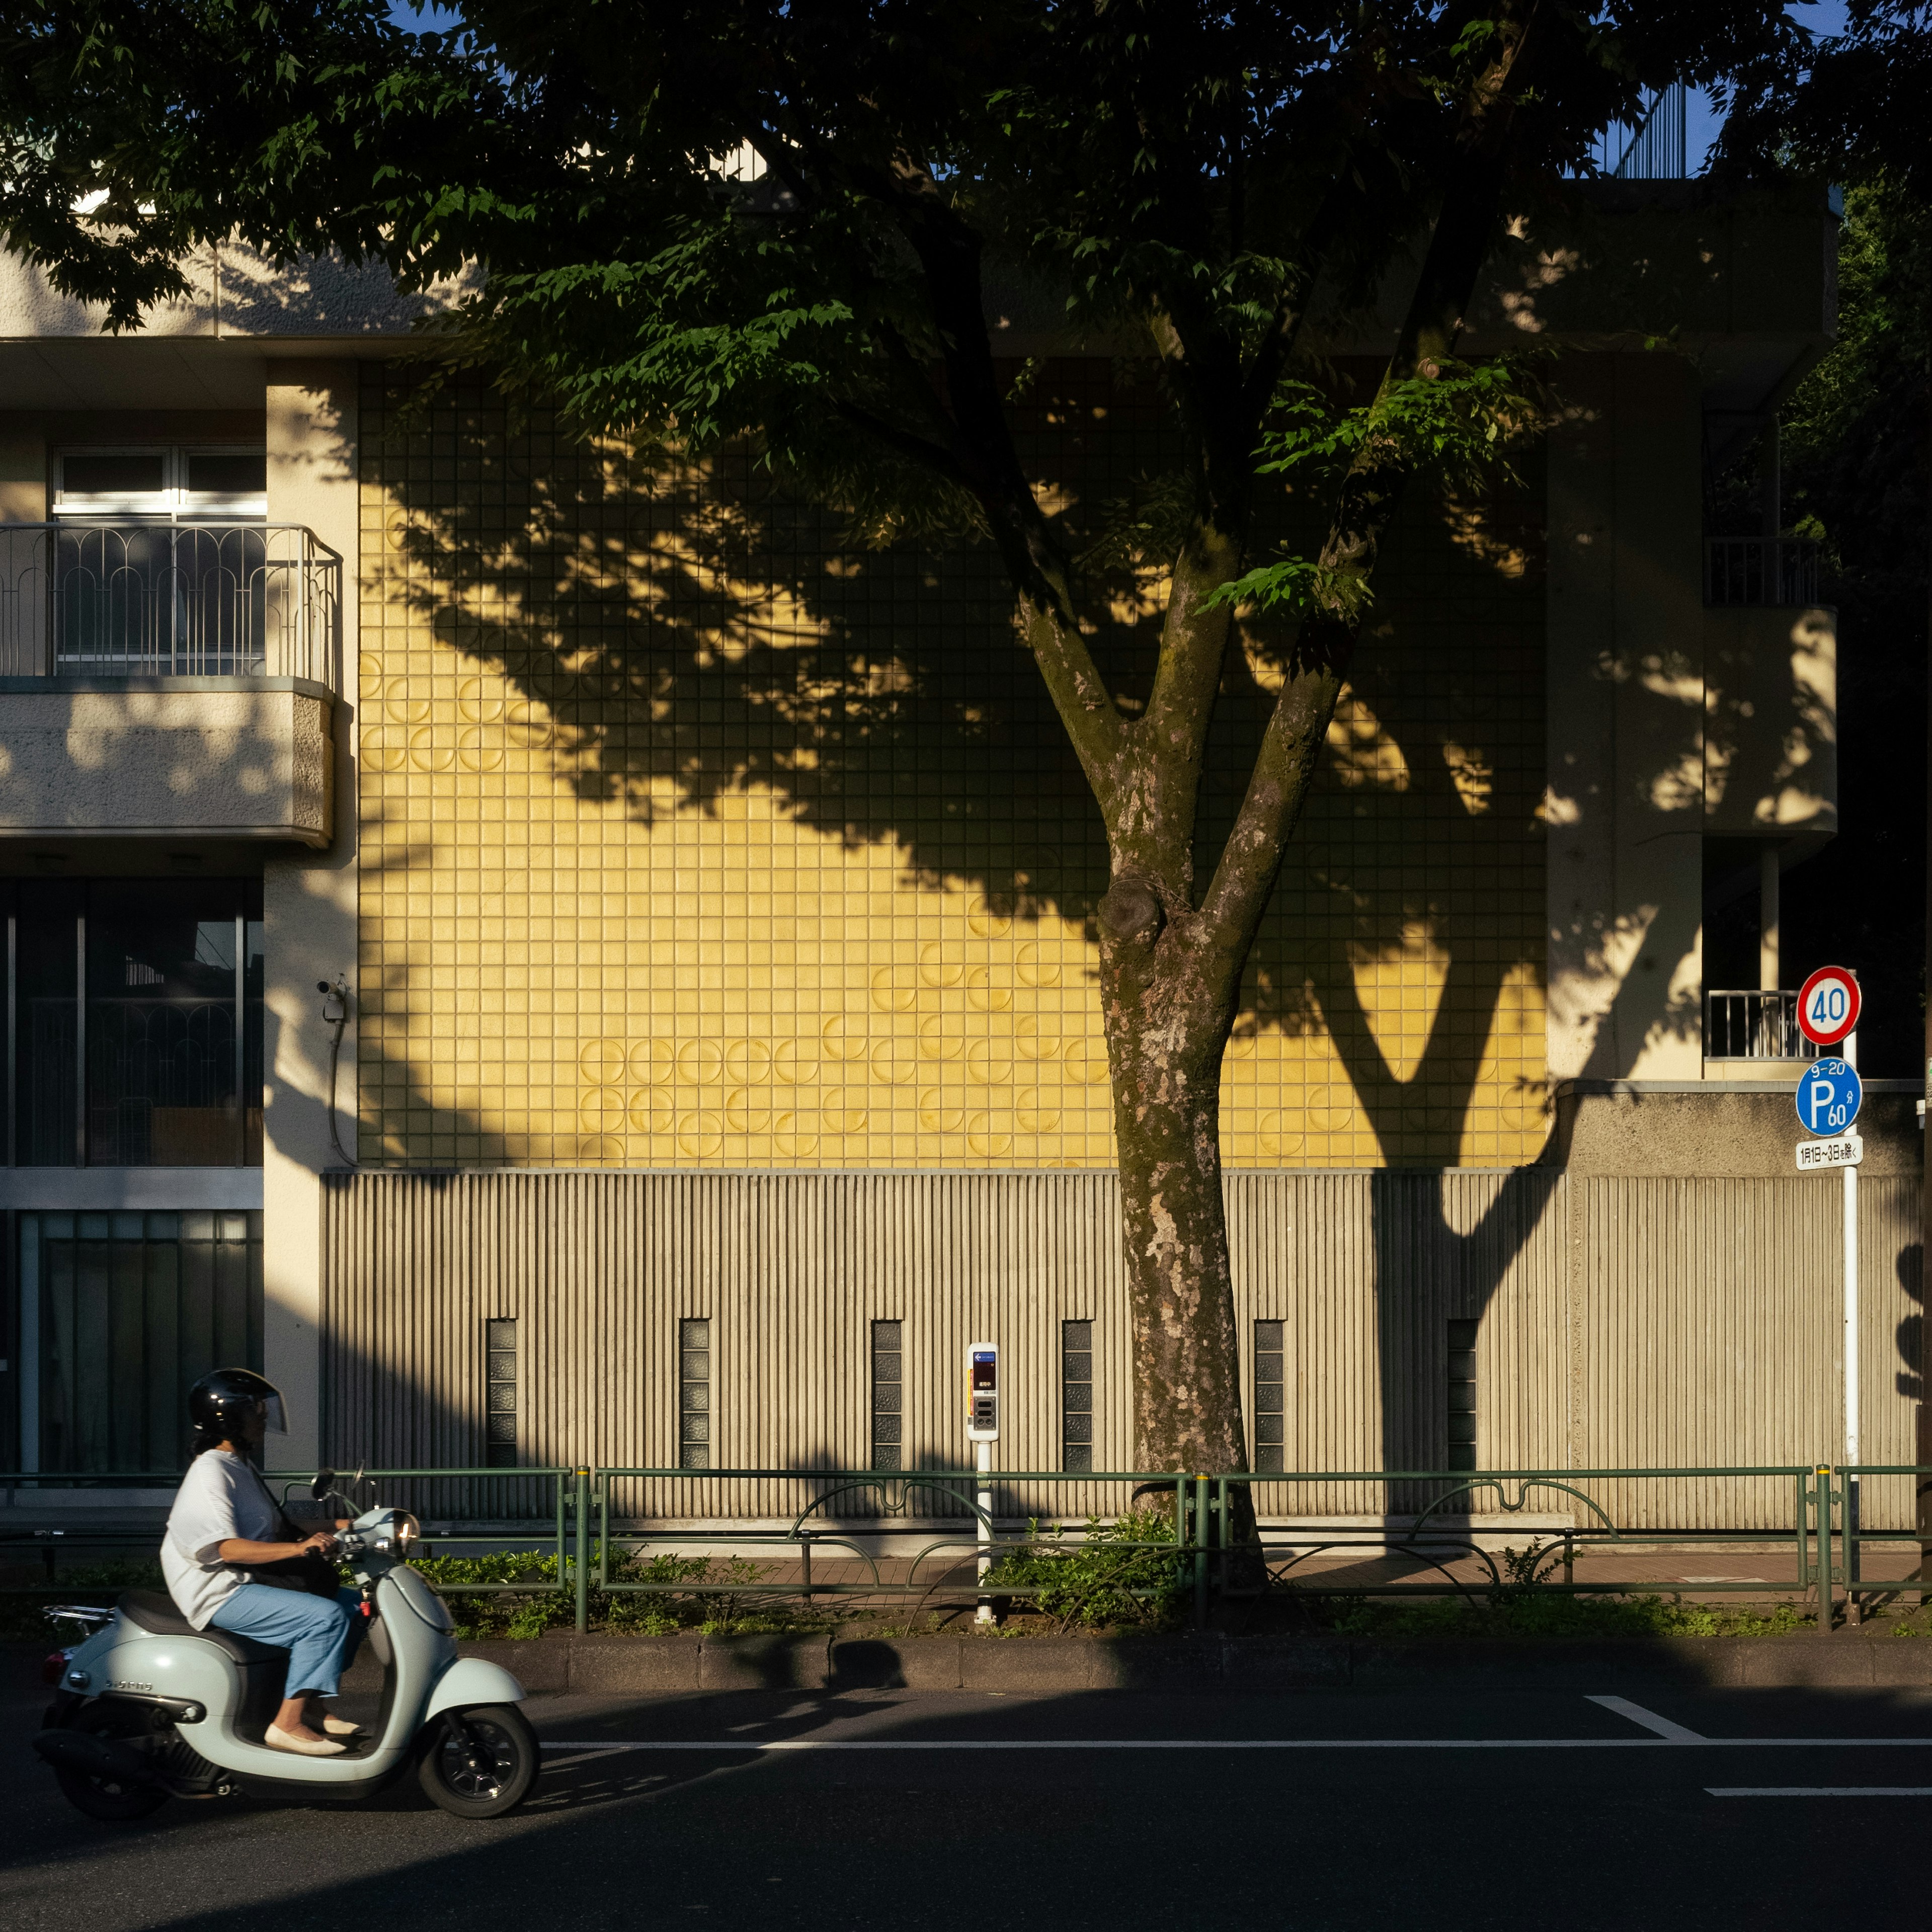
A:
x,y
717,1745
587,1753
1819,1790
1650,1720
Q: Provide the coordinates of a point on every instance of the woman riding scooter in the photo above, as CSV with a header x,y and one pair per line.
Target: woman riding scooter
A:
x,y
227,1541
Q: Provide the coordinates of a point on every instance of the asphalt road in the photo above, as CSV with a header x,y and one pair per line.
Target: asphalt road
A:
x,y
1119,1809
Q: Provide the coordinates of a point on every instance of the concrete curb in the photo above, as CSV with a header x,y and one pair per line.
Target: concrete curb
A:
x,y
688,1662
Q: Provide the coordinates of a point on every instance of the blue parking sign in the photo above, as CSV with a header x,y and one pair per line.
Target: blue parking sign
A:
x,y
1828,1093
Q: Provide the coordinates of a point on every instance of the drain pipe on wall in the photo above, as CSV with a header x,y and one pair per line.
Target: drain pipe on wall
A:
x,y
335,1013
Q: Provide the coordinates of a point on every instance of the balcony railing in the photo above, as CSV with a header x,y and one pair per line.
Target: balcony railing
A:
x,y
1753,1026
169,600
1760,571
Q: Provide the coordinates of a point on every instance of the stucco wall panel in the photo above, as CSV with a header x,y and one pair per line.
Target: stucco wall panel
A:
x,y
181,757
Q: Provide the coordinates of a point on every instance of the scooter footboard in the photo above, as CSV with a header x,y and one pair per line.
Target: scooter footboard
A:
x,y
471,1681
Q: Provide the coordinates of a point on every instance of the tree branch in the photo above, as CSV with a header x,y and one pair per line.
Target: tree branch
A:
x,y
1371,488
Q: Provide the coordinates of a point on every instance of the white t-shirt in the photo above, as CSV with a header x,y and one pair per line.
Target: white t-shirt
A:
x,y
221,1497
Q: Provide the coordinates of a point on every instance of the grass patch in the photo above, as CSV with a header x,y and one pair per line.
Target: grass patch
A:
x,y
735,1601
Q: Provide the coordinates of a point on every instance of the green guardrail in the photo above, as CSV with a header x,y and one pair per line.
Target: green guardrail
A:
x,y
1218,1546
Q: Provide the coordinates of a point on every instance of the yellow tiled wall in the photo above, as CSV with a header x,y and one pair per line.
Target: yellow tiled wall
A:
x,y
694,834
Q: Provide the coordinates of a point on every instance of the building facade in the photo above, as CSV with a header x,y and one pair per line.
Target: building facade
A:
x,y
717,1044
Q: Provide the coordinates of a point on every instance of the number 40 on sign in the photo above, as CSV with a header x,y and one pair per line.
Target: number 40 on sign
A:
x,y
1827,1006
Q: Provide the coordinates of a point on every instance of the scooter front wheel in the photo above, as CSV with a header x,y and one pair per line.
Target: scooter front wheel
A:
x,y
480,1763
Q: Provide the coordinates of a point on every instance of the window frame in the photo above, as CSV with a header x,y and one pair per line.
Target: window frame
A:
x,y
173,503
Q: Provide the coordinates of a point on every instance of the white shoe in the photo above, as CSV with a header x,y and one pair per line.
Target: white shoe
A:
x,y
278,1739
340,1727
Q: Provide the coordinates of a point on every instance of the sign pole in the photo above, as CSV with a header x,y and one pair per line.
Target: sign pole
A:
x,y
1829,1092
1850,1052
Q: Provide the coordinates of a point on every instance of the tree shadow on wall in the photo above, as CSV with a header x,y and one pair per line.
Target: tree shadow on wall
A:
x,y
665,638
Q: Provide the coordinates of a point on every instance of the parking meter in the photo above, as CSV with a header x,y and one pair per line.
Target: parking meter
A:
x,y
983,1391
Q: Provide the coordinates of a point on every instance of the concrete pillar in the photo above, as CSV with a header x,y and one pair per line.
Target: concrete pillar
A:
x,y
1767,919
1625,686
309,904
23,471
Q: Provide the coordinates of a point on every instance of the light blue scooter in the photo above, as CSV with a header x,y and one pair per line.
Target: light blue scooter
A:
x,y
148,1708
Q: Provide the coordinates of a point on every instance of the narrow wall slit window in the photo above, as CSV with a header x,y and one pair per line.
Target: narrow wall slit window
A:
x,y
1076,1395
888,1386
1462,1403
694,1394
499,1420
1270,1410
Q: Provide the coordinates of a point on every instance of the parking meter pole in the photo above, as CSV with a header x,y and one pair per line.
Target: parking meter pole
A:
x,y
983,1463
982,1431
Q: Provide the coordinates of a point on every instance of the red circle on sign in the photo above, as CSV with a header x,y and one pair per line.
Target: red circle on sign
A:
x,y
1834,994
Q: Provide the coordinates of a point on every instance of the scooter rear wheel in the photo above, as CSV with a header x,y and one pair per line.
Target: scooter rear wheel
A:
x,y
480,1763
109,1799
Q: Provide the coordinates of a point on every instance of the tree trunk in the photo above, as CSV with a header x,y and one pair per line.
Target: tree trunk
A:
x,y
1167,1024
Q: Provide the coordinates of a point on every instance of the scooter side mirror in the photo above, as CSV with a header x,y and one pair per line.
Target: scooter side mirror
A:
x,y
324,1481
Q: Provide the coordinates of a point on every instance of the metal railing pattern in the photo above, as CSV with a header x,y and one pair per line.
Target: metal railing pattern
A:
x,y
1750,1024
169,600
591,1549
1760,571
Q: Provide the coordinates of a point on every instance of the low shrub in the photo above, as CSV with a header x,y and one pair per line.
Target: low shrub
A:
x,y
1106,1578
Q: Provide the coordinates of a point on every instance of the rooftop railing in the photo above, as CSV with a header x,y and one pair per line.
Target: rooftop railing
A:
x,y
1762,571
1753,1026
139,600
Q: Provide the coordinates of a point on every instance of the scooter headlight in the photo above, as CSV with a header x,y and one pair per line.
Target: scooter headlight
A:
x,y
395,1535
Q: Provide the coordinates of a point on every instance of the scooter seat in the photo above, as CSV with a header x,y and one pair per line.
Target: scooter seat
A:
x,y
158,1613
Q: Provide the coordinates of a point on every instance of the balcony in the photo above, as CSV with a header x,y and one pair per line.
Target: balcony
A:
x,y
168,680
1753,1035
1760,573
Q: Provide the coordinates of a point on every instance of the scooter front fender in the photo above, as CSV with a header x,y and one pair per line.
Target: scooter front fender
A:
x,y
471,1681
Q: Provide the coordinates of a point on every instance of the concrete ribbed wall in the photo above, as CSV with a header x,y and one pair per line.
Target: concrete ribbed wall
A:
x,y
1625,1322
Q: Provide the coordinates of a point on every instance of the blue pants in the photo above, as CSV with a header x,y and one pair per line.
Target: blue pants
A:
x,y
319,1633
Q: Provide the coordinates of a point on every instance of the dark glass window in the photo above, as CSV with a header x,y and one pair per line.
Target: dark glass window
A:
x,y
888,1396
1462,1395
211,473
499,1421
1271,1409
47,919
694,1395
169,1031
120,1314
129,472
1076,1395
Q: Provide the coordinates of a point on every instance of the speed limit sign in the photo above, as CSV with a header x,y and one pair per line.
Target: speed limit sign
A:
x,y
1828,1005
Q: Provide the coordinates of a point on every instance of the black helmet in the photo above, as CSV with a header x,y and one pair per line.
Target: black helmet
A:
x,y
219,1401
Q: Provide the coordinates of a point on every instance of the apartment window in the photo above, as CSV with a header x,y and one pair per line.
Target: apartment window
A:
x,y
134,1021
1461,1404
694,1395
888,1399
120,1314
162,480
1271,1409
499,1406
1076,1395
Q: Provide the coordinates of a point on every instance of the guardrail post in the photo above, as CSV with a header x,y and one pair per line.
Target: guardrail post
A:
x,y
804,1563
583,1551
1826,1607
1200,1538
